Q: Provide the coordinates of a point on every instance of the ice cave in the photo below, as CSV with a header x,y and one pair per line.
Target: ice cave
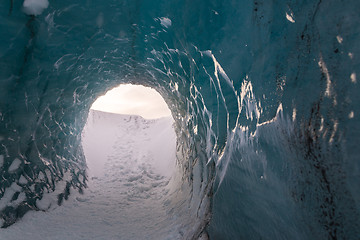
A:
x,y
264,100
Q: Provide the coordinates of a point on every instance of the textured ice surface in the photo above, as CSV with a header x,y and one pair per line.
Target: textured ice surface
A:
x,y
264,94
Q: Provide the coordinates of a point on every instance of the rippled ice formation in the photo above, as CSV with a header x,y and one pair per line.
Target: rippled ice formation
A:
x,y
264,95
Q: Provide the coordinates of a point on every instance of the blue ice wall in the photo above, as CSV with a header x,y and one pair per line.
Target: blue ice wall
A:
x,y
264,95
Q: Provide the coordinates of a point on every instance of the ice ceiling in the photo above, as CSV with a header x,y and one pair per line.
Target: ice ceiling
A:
x,y
264,95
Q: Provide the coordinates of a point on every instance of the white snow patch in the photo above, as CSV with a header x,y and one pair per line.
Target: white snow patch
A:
x,y
22,180
35,7
165,22
351,115
14,165
290,17
353,77
339,39
41,176
294,115
325,70
9,193
45,202
20,199
104,128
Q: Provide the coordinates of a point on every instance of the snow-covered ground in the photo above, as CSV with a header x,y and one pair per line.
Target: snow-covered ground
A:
x,y
131,161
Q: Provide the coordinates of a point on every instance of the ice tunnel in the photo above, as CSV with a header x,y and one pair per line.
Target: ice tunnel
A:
x,y
264,95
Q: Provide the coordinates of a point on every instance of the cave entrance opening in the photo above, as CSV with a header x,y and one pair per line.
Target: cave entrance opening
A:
x,y
129,144
130,118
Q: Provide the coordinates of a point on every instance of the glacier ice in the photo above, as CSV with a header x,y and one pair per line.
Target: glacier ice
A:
x,y
264,95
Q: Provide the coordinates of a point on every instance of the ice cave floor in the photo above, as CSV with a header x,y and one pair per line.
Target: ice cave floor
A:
x,y
126,194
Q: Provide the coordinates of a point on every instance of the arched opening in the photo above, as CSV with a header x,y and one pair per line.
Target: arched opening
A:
x,y
132,116
129,144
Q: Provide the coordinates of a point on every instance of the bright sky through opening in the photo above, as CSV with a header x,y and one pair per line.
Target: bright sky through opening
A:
x,y
133,100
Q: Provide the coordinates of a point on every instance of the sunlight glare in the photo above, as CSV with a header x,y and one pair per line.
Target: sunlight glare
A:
x,y
133,100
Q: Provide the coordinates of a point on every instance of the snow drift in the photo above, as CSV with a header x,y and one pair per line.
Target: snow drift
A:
x,y
131,161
